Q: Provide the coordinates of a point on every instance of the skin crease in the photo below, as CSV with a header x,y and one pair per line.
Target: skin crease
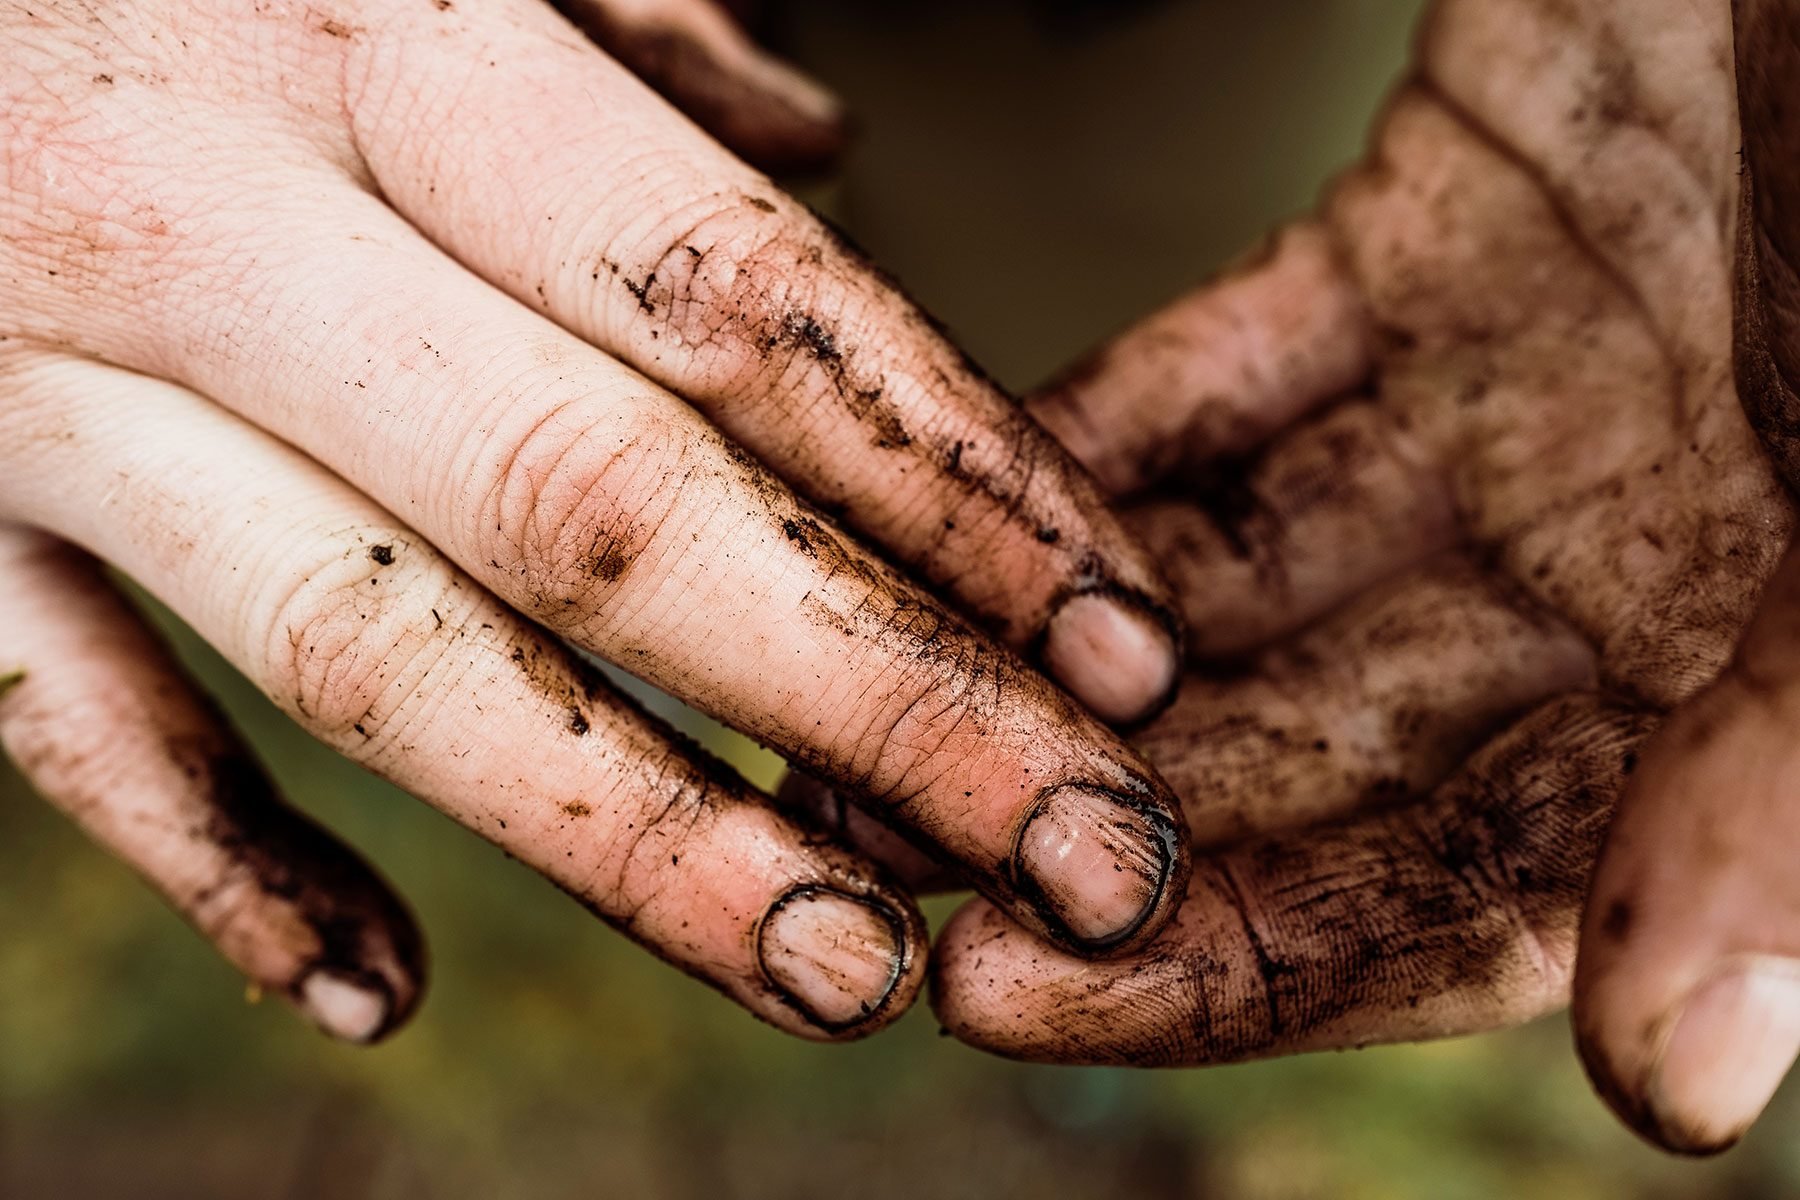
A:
x,y
319,331
1465,499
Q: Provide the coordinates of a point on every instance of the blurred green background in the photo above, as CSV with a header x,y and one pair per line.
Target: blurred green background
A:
x,y
1038,174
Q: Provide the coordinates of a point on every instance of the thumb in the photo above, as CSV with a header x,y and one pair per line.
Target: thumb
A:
x,y
1687,988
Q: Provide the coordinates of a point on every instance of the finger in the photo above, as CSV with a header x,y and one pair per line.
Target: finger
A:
x,y
625,227
1687,1004
1768,300
698,58
601,506
1688,992
826,807
1257,549
375,644
1215,373
99,719
1372,707
1455,916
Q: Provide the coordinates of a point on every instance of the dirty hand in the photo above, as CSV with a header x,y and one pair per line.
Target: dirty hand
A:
x,y
393,342
1460,498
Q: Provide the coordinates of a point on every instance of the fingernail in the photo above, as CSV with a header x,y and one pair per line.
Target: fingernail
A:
x,y
1096,866
835,957
1115,653
1727,1053
344,1006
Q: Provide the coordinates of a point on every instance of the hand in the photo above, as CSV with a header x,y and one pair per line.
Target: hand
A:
x,y
1686,1004
393,343
1459,497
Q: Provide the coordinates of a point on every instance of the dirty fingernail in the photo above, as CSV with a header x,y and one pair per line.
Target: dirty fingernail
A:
x,y
1730,1047
1119,657
1098,866
836,957
344,1006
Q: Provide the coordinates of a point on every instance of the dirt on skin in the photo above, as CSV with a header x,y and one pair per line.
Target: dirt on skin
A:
x,y
1549,241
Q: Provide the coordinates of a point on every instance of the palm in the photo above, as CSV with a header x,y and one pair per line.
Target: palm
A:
x,y
1519,513
1552,483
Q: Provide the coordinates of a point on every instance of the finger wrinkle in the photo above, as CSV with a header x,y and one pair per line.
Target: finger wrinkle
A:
x,y
349,634
788,316
576,500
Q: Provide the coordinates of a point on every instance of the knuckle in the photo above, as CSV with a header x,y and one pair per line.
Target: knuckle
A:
x,y
575,500
736,281
935,715
353,640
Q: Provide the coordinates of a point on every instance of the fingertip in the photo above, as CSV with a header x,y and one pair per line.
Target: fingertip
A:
x,y
1102,870
310,918
1730,1046
352,1007
367,977
1687,989
1695,1080
1117,651
837,959
842,962
997,987
965,987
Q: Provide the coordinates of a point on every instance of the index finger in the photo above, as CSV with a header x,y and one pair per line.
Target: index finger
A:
x,y
628,227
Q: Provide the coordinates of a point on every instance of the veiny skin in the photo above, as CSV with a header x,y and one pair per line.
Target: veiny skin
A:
x,y
395,343
1462,499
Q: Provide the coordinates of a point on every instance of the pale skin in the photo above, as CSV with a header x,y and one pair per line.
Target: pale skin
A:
x,y
1456,479
1463,484
400,345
